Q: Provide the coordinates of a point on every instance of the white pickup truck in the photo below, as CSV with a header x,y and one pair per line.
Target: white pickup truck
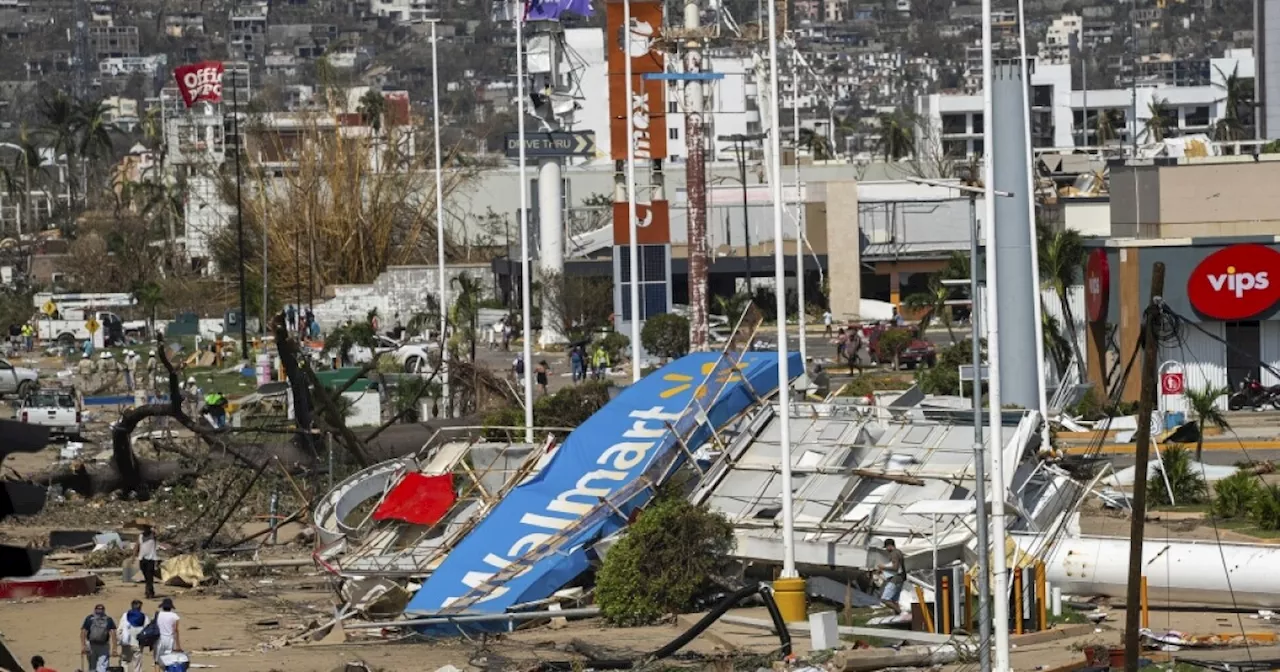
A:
x,y
16,380
73,328
55,408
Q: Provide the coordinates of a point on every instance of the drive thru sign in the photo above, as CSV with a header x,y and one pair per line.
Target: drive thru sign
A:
x,y
1172,383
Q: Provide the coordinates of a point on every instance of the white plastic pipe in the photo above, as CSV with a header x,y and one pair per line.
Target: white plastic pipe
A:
x,y
1192,572
779,278
525,281
633,248
1055,601
1000,589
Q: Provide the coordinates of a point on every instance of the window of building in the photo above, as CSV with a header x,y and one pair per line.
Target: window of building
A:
x,y
977,122
673,107
1042,95
1244,351
1196,116
955,149
954,123
673,133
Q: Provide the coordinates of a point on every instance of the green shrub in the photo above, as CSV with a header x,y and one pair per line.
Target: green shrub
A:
x,y
860,386
663,563
1234,495
569,408
1264,510
1186,481
666,335
892,343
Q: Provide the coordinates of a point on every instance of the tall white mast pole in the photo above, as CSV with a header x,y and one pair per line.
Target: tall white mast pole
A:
x,y
443,286
999,600
526,316
779,276
633,248
799,202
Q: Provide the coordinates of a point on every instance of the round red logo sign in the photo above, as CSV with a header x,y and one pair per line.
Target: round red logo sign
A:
x,y
1097,285
1235,283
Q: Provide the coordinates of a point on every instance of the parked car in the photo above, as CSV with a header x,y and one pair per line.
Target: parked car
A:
x,y
55,408
918,351
16,380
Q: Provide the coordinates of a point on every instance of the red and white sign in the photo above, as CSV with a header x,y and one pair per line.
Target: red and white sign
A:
x,y
200,82
1097,285
1173,383
1236,283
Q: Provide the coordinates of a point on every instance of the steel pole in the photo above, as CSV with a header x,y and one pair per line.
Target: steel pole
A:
x,y
526,312
244,293
795,165
633,247
779,276
442,287
992,320
746,214
979,457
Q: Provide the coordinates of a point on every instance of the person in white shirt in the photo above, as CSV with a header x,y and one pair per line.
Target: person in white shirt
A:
x,y
148,559
826,322
131,625
170,637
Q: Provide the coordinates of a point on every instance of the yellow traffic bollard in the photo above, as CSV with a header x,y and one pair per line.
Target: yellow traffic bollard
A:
x,y
789,594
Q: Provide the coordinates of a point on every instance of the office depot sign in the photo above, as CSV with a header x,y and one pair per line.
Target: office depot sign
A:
x,y
1236,283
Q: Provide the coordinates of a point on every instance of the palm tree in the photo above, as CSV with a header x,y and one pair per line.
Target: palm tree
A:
x,y
372,107
1156,128
1062,256
93,137
816,143
1203,403
933,301
896,136
466,308
732,307
1107,122
1237,108
150,295
1055,344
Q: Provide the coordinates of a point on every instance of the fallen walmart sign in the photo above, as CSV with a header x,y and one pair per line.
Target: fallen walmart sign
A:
x,y
543,527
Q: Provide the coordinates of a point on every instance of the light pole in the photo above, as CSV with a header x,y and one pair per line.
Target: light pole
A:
x,y
789,587
992,318
740,141
979,459
443,286
526,316
633,246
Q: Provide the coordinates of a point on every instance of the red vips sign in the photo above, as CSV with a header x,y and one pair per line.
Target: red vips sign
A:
x,y
1236,283
200,82
1097,285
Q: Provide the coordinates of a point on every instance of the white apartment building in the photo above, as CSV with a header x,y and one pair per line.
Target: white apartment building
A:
x,y
952,123
1065,30
405,11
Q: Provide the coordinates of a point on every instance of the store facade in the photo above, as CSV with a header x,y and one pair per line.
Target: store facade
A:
x,y
1227,287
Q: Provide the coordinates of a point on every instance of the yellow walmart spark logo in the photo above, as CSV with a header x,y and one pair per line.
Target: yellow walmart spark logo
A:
x,y
684,381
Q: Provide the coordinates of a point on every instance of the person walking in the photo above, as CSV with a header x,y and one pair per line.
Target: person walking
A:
x,y
827,321
541,373
131,625
130,369
895,575
600,362
153,369
170,636
28,337
578,364
98,639
148,559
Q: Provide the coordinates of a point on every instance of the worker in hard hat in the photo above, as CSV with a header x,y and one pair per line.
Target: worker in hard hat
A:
x,y
215,406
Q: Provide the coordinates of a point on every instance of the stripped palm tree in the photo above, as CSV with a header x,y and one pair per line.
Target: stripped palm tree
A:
x,y
1062,257
466,308
1158,125
897,139
933,303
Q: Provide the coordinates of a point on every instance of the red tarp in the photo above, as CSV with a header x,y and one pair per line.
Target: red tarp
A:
x,y
418,499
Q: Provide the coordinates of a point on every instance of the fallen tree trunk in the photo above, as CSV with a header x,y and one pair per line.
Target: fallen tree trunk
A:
x,y
90,480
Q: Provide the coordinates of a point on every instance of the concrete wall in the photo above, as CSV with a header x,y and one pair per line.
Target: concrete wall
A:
x,y
843,243
1090,216
1220,196
399,289
1135,201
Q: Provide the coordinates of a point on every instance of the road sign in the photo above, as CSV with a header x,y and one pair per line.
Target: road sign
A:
x,y
1173,383
49,308
554,143
91,325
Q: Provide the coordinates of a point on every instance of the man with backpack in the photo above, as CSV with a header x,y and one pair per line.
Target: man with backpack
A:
x,y
98,639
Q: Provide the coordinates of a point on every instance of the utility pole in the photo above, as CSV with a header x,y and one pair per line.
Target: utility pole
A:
x,y
696,180
1142,454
